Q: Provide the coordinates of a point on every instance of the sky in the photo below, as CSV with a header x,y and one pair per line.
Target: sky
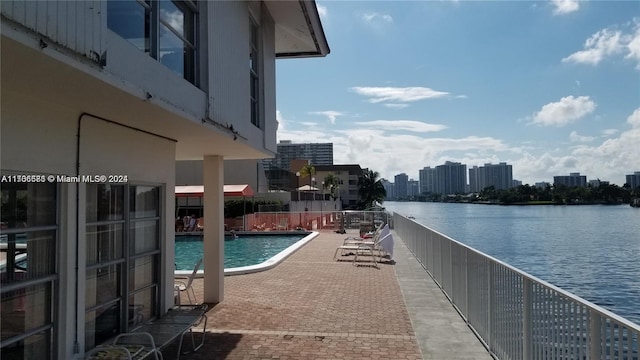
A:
x,y
550,87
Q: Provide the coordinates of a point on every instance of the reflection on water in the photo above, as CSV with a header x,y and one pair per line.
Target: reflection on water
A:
x,y
592,251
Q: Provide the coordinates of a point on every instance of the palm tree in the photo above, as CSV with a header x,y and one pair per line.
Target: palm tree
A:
x,y
331,182
308,170
370,189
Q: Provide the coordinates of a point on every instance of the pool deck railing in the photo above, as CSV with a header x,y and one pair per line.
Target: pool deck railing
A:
x,y
517,315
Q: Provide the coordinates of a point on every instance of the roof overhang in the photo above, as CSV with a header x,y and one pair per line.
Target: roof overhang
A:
x,y
229,190
298,29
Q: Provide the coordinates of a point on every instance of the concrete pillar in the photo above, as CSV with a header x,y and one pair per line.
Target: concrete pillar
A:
x,y
213,180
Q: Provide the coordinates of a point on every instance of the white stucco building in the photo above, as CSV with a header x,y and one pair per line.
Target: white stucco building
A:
x,y
123,89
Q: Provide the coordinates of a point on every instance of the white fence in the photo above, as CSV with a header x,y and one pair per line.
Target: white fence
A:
x,y
516,315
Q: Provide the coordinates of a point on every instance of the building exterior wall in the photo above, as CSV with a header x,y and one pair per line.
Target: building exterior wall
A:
x,y
499,176
390,188
633,179
105,148
451,178
230,80
474,180
348,176
413,188
574,179
401,181
78,25
427,180
316,153
80,99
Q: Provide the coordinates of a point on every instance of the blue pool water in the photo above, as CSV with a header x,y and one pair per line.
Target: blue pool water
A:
x,y
244,251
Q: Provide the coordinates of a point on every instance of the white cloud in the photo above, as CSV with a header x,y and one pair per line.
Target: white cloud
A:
x,y
330,114
408,125
633,44
396,106
565,6
609,42
634,119
565,111
574,137
281,121
603,43
374,17
322,11
398,94
608,160
174,18
609,132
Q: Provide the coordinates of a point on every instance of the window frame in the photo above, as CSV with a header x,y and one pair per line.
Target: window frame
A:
x,y
50,282
128,257
255,83
153,23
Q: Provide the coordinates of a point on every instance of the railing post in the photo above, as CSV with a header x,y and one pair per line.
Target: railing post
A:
x,y
595,334
527,317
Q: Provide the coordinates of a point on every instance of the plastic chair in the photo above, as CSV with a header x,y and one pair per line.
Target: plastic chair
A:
x,y
181,285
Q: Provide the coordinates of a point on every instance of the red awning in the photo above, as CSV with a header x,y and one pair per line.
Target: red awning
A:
x,y
229,190
238,190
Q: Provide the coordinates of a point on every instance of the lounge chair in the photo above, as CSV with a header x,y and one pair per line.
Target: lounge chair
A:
x,y
364,247
283,225
185,284
372,248
373,236
158,333
112,352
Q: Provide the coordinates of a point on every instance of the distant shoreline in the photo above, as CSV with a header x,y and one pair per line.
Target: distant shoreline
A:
x,y
530,203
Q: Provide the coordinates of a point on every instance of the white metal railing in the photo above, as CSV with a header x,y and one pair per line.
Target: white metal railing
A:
x,y
516,315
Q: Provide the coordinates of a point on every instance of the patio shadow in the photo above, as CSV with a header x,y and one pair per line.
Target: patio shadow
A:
x,y
217,346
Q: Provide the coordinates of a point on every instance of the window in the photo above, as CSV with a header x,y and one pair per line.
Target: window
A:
x,y
254,69
28,269
123,259
163,29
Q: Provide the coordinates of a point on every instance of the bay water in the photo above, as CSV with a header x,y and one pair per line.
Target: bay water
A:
x,y
592,251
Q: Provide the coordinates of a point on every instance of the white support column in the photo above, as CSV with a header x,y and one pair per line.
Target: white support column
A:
x,y
213,180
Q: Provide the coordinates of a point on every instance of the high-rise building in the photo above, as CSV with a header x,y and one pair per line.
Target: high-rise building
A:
x,y
278,169
316,153
451,178
390,188
401,181
500,176
427,178
633,180
574,179
474,180
413,188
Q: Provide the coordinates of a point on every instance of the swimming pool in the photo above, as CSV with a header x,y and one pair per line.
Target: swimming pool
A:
x,y
246,250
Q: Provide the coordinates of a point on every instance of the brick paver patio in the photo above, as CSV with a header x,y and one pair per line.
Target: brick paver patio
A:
x,y
310,307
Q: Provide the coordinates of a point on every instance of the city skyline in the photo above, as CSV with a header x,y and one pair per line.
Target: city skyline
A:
x,y
549,87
